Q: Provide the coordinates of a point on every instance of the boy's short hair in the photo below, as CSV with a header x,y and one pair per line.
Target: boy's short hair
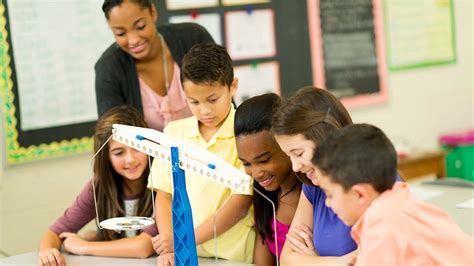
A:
x,y
207,63
358,153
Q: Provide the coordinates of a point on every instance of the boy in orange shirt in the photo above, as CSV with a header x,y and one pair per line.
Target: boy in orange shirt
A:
x,y
357,169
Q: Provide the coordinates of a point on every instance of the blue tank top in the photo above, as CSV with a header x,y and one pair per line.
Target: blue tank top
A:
x,y
331,237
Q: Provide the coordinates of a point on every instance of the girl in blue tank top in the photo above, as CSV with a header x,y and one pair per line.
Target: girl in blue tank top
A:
x,y
316,235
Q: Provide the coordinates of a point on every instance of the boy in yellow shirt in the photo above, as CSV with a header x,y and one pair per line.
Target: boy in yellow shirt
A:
x,y
209,85
357,169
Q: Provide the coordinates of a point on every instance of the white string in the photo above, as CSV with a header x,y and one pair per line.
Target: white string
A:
x,y
151,188
93,181
93,185
274,223
214,217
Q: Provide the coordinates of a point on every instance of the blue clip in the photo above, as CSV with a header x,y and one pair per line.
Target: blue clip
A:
x,y
140,137
212,166
249,10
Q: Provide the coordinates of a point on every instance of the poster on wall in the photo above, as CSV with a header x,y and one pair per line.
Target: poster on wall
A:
x,y
190,4
41,53
256,79
212,23
347,50
47,111
420,41
243,2
250,34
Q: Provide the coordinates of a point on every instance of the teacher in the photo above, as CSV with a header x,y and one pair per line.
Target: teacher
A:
x,y
142,67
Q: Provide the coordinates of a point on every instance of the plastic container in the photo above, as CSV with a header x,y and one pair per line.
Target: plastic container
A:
x,y
460,154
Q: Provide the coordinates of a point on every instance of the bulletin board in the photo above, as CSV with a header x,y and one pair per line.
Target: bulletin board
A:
x,y
348,52
247,28
415,40
47,78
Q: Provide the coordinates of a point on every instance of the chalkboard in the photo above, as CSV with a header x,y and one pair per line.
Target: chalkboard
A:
x,y
348,50
48,49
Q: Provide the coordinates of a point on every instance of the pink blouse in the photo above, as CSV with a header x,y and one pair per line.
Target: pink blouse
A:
x,y
160,110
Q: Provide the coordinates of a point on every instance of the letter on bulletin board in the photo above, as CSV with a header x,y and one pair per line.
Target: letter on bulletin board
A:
x,y
420,33
190,4
347,49
250,34
212,23
257,79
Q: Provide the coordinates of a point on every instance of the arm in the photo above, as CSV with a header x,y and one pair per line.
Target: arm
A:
x,y
73,219
233,211
129,247
49,250
107,87
261,254
163,242
304,217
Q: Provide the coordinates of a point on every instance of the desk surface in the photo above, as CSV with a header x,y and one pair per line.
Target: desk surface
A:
x,y
450,197
31,258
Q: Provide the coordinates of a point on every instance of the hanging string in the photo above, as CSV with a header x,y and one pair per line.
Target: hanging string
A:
x,y
93,181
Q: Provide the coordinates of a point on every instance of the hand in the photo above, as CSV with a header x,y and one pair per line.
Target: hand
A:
x,y
73,243
50,257
300,240
162,243
166,259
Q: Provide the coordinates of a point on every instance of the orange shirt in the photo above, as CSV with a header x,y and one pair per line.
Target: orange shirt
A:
x,y
398,229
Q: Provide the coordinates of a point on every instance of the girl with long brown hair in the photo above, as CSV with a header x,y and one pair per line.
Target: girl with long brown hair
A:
x,y
316,234
120,180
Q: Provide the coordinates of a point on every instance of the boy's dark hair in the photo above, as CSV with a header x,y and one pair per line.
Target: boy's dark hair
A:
x,y
355,154
207,63
109,4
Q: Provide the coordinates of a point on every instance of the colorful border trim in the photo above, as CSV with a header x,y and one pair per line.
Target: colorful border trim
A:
x,y
14,152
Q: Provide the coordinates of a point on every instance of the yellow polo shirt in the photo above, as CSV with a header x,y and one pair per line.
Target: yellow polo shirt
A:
x,y
207,196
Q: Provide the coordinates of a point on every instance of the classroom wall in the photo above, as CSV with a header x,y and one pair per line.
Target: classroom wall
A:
x,y
423,104
427,102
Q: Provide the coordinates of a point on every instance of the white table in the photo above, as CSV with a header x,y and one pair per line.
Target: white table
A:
x,y
447,200
31,258
450,197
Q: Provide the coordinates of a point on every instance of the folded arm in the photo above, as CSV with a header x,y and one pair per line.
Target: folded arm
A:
x,y
298,256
